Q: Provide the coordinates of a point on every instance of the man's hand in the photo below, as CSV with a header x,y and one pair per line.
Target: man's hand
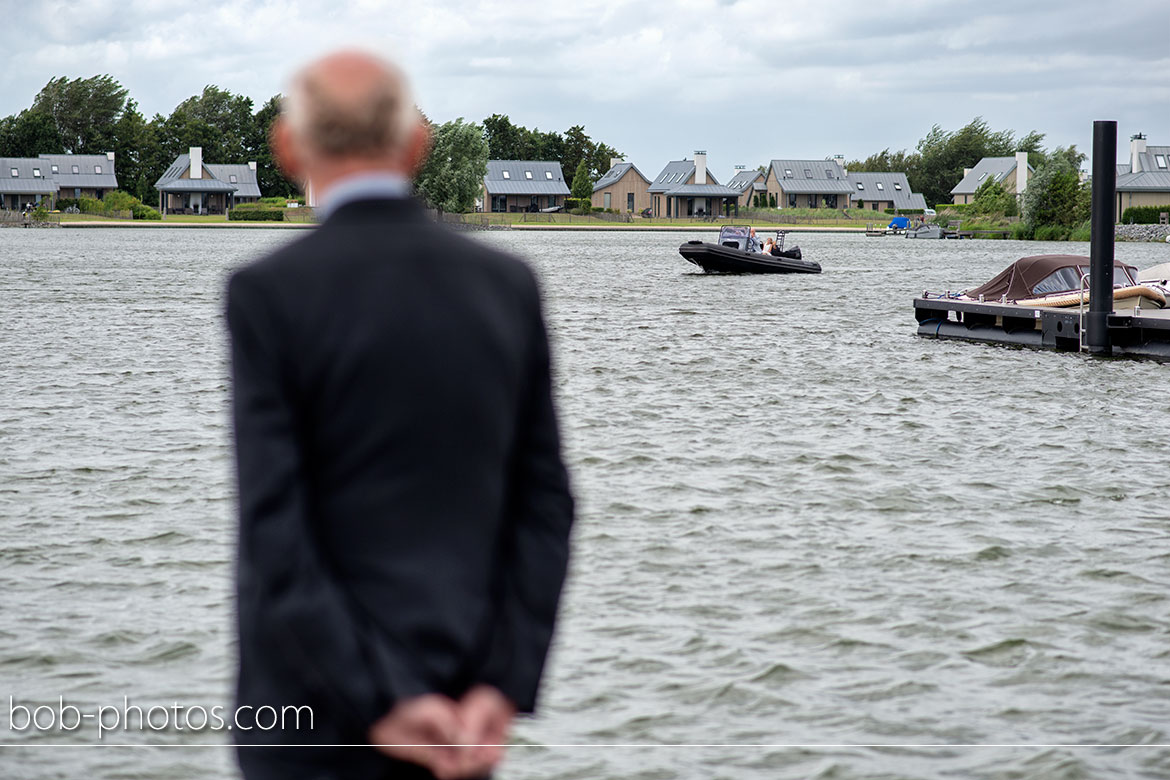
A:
x,y
454,740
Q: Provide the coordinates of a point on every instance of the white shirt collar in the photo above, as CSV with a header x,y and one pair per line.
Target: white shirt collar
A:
x,y
363,186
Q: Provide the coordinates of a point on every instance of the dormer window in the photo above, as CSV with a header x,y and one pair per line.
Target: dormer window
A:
x,y
507,175
548,175
36,173
527,174
76,169
97,169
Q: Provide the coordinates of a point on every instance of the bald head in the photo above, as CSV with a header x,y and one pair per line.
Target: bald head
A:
x,y
350,104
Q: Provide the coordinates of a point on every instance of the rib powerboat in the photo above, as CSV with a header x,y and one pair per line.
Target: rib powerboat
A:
x,y
738,252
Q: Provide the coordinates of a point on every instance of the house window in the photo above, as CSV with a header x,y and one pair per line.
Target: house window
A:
x,y
629,201
982,176
898,186
15,172
548,175
879,186
54,169
860,186
787,171
1160,159
527,174
97,169
608,199
36,173
828,174
76,169
507,175
232,178
791,200
807,173
499,203
875,205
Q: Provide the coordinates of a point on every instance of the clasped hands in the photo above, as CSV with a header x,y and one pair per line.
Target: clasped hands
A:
x,y
453,739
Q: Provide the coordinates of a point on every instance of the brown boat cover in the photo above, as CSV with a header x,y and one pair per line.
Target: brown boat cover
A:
x,y
1018,279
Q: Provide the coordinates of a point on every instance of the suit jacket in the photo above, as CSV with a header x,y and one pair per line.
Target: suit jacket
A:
x,y
404,508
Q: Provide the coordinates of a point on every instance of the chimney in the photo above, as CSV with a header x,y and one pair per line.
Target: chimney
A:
x,y
966,172
613,161
110,156
1021,172
700,167
252,165
1137,147
196,154
840,160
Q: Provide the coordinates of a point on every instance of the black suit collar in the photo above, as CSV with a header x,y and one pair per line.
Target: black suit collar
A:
x,y
381,209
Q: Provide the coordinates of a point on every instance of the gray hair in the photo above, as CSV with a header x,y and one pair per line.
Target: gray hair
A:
x,y
376,120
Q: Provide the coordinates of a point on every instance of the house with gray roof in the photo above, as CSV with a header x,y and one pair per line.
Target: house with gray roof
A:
x,y
522,185
748,184
622,187
685,188
1145,179
29,181
1005,171
190,186
808,184
881,191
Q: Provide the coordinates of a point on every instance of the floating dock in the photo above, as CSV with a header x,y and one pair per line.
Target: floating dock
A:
x,y
1133,332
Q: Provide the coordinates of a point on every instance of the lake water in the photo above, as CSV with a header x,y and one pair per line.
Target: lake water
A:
x,y
803,530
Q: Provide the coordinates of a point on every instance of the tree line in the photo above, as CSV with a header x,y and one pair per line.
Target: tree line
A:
x,y
97,115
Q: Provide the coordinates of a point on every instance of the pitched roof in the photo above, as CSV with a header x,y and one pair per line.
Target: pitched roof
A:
x,y
703,191
246,183
884,186
524,177
819,177
1146,181
25,182
744,179
675,173
87,175
614,175
997,167
1149,160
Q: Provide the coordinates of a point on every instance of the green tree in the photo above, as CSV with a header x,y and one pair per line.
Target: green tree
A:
x,y
132,147
578,148
943,156
453,173
218,121
504,140
28,134
271,179
992,198
1055,196
582,185
83,111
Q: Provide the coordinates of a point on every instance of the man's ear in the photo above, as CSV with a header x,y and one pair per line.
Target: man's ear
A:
x,y
284,149
418,148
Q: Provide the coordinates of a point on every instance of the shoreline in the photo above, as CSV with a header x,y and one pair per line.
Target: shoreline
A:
x,y
154,225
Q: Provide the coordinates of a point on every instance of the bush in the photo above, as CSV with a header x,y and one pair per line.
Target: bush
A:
x,y
1021,231
578,203
772,200
282,202
40,214
1052,233
116,200
253,214
66,203
90,205
1082,232
1142,215
142,211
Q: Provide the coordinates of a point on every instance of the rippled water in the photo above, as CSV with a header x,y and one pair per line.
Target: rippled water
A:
x,y
800,524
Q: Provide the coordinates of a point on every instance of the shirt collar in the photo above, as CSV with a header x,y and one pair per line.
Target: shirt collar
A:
x,y
363,186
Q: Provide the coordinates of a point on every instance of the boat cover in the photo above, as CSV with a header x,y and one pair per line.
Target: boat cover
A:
x,y
1039,275
899,222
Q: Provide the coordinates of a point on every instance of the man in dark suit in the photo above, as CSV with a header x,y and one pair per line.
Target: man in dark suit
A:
x,y
404,509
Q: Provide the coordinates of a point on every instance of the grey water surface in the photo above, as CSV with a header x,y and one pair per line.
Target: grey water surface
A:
x,y
804,532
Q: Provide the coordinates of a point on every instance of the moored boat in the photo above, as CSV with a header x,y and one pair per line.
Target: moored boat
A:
x,y
738,252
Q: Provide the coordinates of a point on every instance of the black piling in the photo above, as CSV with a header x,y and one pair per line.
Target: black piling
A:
x,y
1101,245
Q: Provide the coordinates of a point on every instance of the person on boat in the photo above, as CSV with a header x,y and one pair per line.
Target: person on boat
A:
x,y
753,243
769,245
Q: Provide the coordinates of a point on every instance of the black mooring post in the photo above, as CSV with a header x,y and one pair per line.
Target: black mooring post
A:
x,y
1101,245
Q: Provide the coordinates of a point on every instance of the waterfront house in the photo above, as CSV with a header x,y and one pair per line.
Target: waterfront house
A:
x,y
1145,179
808,184
190,186
1005,171
32,181
684,188
522,185
881,191
748,184
623,187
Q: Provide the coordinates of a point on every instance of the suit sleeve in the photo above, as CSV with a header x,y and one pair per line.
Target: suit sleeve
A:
x,y
536,550
298,599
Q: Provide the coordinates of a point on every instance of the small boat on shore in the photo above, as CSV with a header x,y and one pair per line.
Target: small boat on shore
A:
x,y
926,230
1058,281
738,252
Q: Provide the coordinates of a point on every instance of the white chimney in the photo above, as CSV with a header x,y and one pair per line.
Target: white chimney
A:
x,y
1021,172
252,165
613,161
966,172
700,167
110,156
840,160
196,154
1137,147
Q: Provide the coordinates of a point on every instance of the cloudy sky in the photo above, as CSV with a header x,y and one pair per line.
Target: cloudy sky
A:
x,y
746,80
